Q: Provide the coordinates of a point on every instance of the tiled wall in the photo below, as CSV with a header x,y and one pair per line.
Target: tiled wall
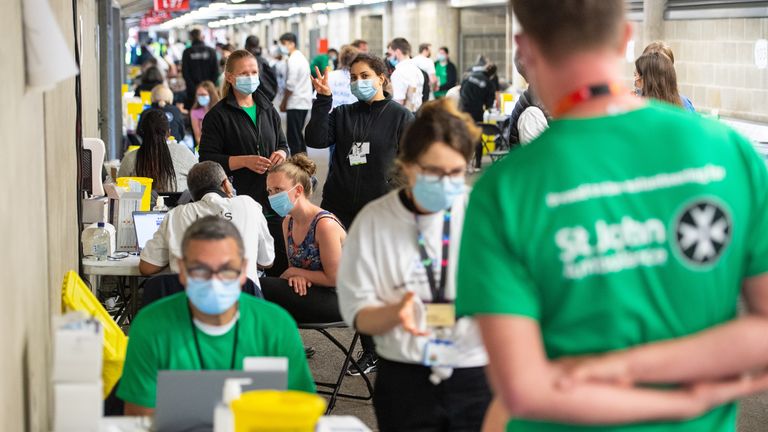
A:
x,y
716,67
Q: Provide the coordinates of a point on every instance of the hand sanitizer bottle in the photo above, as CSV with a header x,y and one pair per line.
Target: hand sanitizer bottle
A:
x,y
223,419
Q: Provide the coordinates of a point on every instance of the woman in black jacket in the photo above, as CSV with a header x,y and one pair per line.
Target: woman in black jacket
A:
x,y
367,134
243,134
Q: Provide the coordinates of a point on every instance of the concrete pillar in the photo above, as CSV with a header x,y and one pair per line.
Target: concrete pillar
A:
x,y
515,80
653,21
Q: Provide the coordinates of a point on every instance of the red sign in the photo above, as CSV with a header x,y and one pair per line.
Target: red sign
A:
x,y
154,18
171,5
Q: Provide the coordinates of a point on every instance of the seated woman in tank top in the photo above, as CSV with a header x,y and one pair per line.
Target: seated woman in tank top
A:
x,y
313,238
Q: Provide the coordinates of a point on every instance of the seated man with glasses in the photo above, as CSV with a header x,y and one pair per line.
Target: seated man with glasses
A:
x,y
210,325
214,195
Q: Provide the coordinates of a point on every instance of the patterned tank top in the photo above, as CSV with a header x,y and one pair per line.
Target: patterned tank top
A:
x,y
307,255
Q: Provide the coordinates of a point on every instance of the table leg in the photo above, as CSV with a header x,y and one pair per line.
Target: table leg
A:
x,y
95,282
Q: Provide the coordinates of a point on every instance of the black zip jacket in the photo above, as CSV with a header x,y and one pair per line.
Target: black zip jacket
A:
x,y
451,78
349,188
477,94
268,78
228,131
524,102
198,64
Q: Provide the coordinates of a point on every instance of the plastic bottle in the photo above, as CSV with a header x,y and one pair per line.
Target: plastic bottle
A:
x,y
160,204
223,419
101,243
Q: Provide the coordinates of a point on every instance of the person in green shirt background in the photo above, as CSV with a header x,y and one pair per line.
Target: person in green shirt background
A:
x,y
210,326
447,77
604,261
322,61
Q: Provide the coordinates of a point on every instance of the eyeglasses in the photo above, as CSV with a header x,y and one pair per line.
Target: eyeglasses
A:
x,y
439,174
202,272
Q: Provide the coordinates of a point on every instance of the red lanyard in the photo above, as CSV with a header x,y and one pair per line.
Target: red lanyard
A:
x,y
584,94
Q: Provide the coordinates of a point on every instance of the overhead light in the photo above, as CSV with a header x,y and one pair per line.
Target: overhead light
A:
x,y
335,5
300,10
319,7
237,1
352,2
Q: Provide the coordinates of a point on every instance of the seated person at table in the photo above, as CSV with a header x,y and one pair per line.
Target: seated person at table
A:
x,y
313,238
166,163
213,195
210,326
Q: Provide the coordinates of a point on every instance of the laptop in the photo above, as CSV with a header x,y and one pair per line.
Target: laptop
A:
x,y
146,225
186,399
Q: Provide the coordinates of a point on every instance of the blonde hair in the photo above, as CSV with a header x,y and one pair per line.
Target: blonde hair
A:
x,y
233,58
162,95
660,47
299,169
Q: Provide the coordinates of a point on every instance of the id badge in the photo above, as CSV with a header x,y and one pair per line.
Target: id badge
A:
x,y
357,160
440,352
440,314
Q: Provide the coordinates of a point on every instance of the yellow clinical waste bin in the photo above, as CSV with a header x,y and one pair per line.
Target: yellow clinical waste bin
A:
x,y
146,198
277,411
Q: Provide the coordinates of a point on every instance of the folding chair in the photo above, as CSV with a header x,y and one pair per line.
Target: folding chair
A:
x,y
335,391
492,133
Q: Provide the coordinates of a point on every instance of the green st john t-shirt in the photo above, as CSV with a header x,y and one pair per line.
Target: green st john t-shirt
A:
x,y
618,231
161,339
441,71
251,111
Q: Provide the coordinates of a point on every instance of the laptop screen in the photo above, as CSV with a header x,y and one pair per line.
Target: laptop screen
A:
x,y
146,223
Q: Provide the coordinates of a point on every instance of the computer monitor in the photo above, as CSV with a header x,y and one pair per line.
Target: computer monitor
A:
x,y
146,224
186,399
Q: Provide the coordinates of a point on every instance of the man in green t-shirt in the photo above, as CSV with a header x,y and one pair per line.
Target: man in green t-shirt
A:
x,y
629,227
447,77
211,325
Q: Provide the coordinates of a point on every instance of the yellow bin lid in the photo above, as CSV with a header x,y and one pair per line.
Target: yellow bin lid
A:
x,y
271,410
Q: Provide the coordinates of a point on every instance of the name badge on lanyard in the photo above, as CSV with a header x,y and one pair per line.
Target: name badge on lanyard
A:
x,y
359,153
440,313
441,352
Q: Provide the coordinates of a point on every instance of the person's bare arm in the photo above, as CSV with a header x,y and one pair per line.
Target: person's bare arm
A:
x,y
147,269
496,417
137,410
733,348
257,164
329,236
526,382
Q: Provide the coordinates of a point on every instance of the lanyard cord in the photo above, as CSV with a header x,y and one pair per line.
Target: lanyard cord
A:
x,y
438,292
584,94
197,343
366,131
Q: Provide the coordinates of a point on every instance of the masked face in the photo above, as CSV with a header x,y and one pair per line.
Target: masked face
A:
x,y
203,100
247,84
284,50
281,202
364,89
434,194
213,296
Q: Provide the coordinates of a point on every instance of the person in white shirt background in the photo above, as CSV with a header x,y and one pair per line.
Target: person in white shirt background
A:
x,y
407,79
396,281
426,63
297,96
214,195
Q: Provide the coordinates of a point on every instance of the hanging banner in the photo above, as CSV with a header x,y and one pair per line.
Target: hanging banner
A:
x,y
152,18
171,5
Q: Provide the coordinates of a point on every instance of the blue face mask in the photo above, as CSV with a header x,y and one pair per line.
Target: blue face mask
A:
x,y
284,50
247,84
281,203
441,58
393,61
363,90
214,296
203,100
434,195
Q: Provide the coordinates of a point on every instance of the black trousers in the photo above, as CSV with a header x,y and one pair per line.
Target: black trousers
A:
x,y
406,401
320,305
295,126
275,225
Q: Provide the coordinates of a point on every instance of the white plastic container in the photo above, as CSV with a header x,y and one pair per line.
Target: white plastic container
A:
x,y
97,236
223,418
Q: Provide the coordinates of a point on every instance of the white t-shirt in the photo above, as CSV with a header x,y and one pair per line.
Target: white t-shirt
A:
x,y
531,123
407,80
381,261
426,64
339,82
164,248
297,81
183,161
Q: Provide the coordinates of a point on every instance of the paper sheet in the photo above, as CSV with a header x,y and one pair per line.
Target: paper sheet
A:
x,y
48,57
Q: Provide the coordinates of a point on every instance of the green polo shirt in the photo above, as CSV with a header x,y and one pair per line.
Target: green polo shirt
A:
x,y
618,231
161,339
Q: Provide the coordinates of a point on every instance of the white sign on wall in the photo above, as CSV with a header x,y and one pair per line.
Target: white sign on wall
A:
x,y
761,53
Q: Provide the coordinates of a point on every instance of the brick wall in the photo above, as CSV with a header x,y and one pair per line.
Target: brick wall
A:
x,y
483,31
715,65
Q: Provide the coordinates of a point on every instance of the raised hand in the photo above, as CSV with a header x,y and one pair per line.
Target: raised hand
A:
x,y
407,315
321,82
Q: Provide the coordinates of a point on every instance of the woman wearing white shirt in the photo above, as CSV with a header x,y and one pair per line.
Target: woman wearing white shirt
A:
x,y
396,282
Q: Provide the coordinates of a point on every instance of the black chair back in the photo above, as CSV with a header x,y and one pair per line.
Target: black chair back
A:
x,y
164,285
